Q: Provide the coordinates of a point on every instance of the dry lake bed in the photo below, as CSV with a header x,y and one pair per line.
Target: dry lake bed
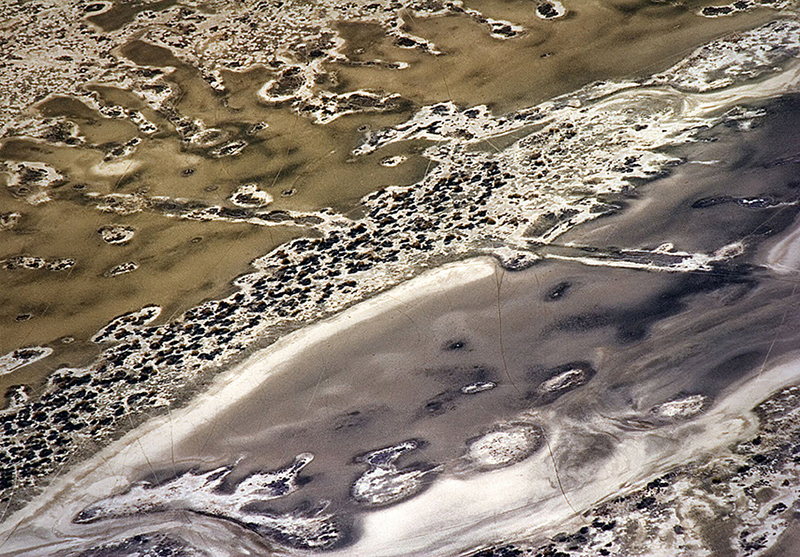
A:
x,y
494,278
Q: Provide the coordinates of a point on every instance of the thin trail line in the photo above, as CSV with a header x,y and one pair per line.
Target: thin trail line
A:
x,y
288,150
123,176
10,497
558,477
775,339
55,477
320,379
11,533
499,281
450,96
446,88
498,277
404,314
213,430
187,514
171,439
492,145
144,454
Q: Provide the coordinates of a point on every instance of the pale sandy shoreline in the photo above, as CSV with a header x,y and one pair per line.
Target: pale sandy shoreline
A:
x,y
153,440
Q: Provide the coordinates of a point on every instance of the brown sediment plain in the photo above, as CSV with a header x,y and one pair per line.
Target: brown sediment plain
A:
x,y
309,164
595,41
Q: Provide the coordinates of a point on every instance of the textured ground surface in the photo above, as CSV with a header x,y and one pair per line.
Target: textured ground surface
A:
x,y
551,246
